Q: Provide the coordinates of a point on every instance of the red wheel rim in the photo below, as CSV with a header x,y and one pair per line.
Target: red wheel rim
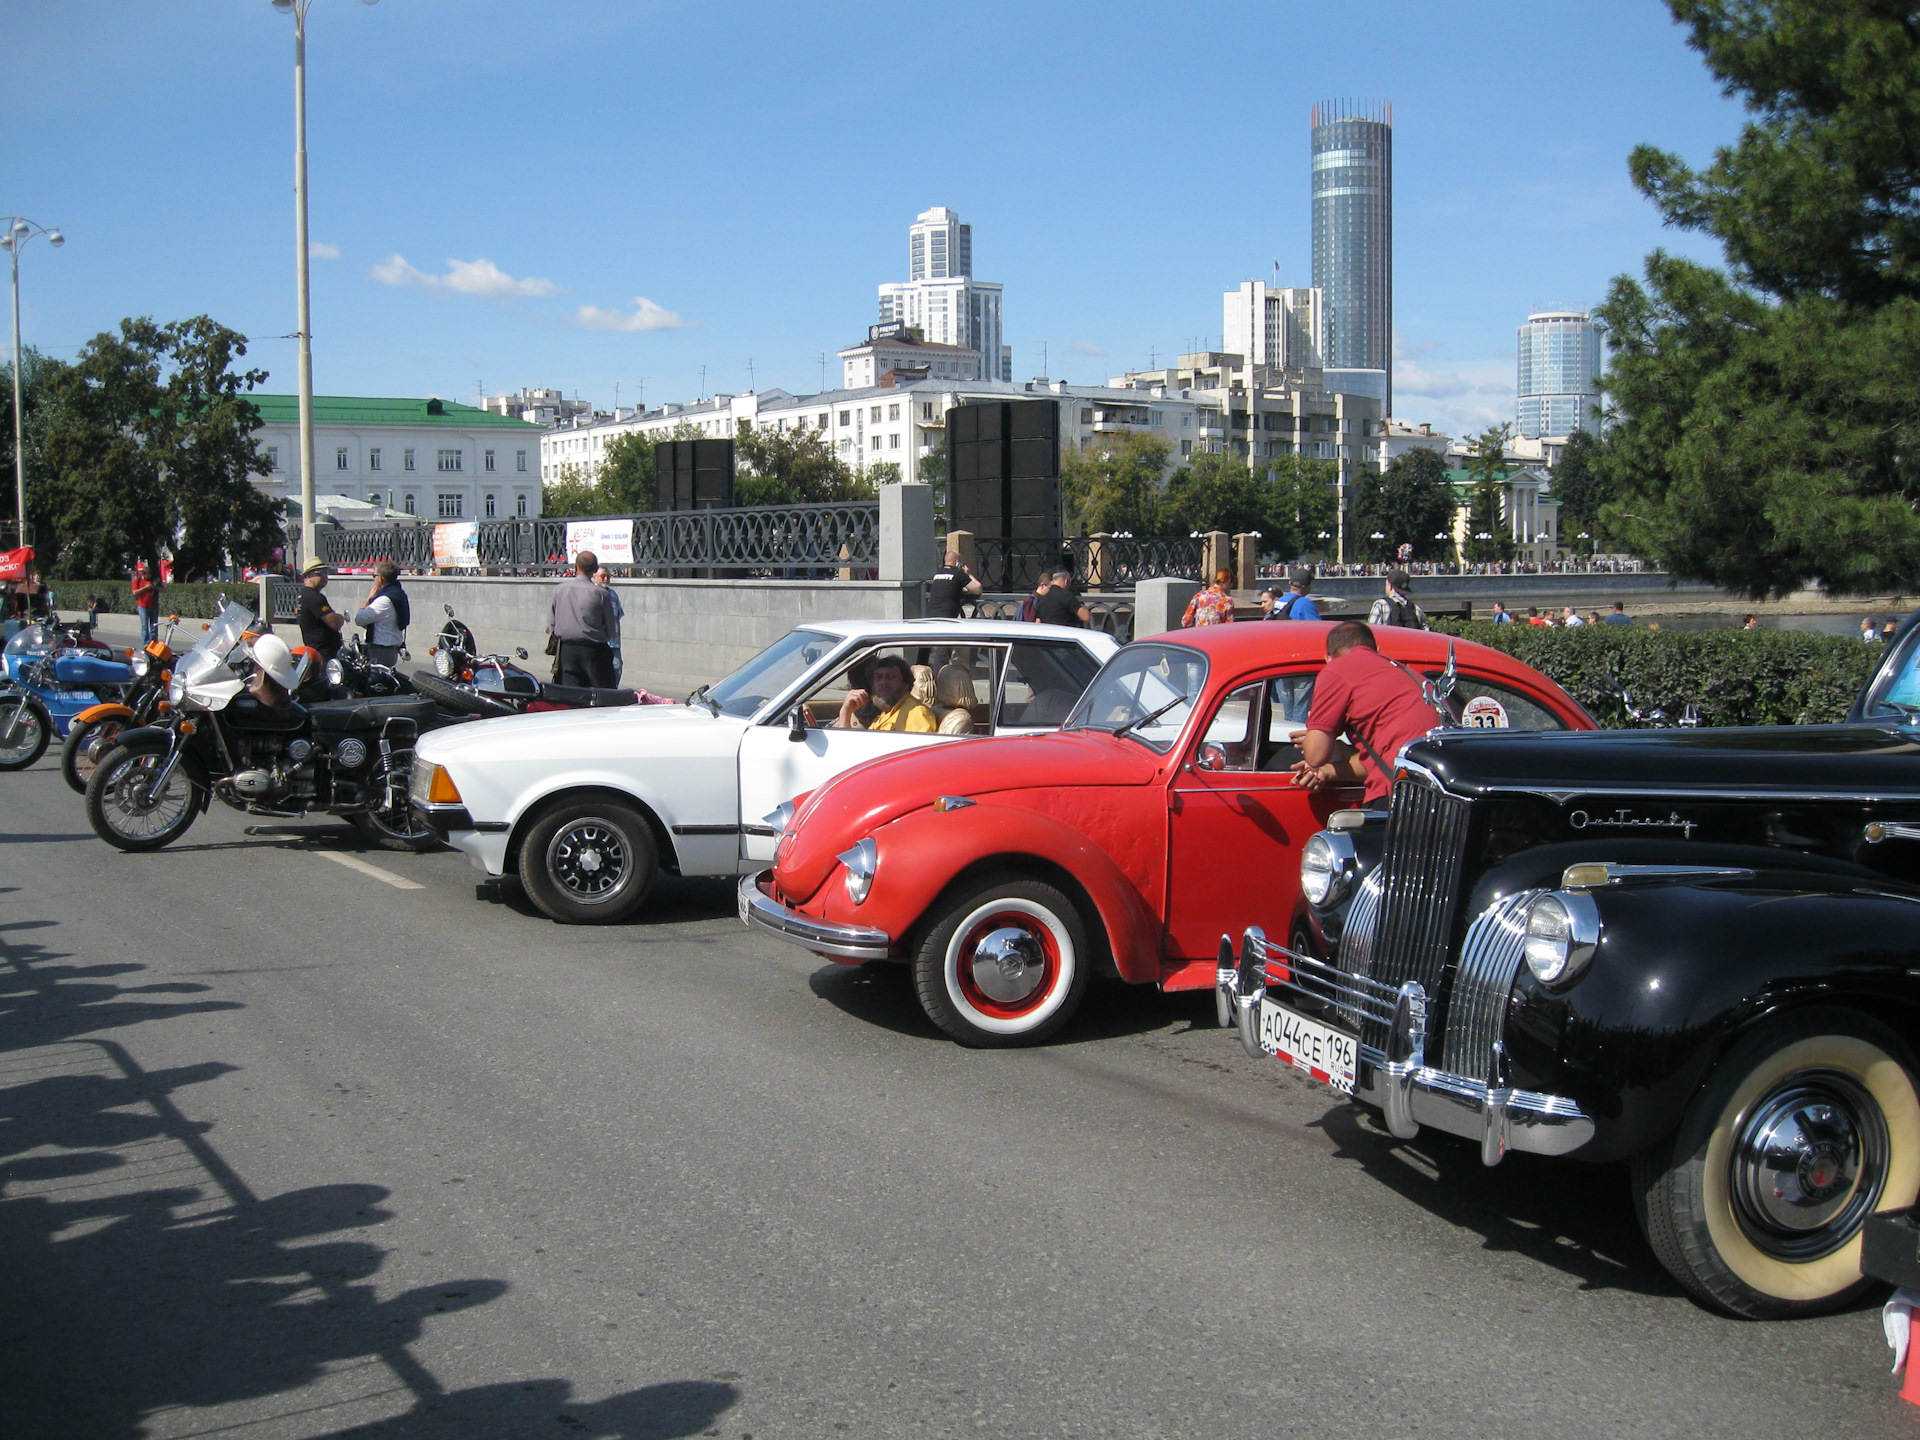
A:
x,y
1043,937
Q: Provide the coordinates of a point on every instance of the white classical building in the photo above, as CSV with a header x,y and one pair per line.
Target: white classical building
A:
x,y
432,458
941,299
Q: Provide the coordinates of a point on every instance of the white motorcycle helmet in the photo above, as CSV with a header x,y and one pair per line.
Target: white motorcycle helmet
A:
x,y
271,654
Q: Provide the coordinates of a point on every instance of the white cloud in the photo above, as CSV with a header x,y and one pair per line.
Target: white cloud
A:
x,y
1087,347
463,277
323,250
646,316
1460,397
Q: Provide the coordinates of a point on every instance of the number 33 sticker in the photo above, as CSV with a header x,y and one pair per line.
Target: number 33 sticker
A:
x,y
1483,712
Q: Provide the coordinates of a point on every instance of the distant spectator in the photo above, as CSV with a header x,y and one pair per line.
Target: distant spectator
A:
x,y
1752,622
1213,605
1570,617
603,577
1397,607
580,618
953,584
1869,629
1298,605
1061,605
93,611
1267,599
1030,607
1618,615
1888,629
1534,617
1500,614
146,602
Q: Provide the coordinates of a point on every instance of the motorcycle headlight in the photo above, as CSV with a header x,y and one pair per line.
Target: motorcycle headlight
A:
x,y
176,689
860,862
139,664
1326,869
1563,930
336,672
442,664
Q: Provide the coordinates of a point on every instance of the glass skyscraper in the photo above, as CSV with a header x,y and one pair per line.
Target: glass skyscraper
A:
x,y
1353,234
1559,373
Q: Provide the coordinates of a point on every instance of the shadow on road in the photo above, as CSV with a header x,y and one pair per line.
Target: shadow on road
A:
x,y
146,1289
675,900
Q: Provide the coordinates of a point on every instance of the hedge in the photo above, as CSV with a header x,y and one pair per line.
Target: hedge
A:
x,y
1733,677
194,602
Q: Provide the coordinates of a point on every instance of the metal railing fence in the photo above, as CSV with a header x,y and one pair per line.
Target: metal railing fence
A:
x,y
1098,562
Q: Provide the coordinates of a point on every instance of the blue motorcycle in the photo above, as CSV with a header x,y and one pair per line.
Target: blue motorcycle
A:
x,y
47,682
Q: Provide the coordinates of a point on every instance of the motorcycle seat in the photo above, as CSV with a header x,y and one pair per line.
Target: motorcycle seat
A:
x,y
247,713
582,697
370,713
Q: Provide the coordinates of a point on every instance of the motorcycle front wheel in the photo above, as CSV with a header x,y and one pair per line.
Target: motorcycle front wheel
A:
x,y
122,807
86,742
395,831
23,735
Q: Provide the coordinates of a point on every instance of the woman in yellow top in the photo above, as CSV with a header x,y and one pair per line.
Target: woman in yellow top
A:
x,y
891,705
1213,605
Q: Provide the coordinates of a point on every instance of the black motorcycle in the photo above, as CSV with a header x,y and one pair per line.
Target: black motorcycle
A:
x,y
486,686
347,757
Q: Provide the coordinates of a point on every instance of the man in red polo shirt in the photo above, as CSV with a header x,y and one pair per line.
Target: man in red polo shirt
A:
x,y
1377,702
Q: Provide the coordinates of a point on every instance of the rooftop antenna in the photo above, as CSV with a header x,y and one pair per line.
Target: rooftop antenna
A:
x,y
1043,359
1153,359
641,403
703,382
481,386
823,370
616,397
750,384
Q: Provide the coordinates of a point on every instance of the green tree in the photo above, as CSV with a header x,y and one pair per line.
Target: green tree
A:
x,y
933,464
1583,487
37,407
1765,431
626,480
1116,487
882,472
1411,503
792,467
572,492
1304,505
1487,464
1217,492
205,428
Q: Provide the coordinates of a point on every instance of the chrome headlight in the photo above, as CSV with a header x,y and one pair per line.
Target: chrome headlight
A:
x,y
1563,929
139,664
780,818
1326,869
860,862
336,672
443,664
177,688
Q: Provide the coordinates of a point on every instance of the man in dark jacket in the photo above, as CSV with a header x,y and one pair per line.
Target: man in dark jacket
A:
x,y
580,617
385,616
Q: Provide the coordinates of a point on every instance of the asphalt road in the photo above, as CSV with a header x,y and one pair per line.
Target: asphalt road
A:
x,y
287,1150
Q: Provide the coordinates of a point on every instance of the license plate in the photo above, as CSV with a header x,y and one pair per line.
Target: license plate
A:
x,y
1328,1055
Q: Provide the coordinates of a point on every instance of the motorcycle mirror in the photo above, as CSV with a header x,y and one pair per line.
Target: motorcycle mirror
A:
x,y
406,654
520,652
448,609
797,728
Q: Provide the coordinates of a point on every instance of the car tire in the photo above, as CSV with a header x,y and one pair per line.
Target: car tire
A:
x,y
1807,1127
589,862
1006,964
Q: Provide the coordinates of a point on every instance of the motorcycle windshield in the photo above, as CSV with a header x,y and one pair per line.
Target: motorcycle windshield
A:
x,y
31,640
225,632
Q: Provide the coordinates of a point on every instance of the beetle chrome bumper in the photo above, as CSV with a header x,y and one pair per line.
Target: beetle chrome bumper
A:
x,y
1400,1084
823,937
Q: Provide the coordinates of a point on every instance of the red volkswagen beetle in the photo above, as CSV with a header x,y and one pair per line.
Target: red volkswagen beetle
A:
x,y
1006,872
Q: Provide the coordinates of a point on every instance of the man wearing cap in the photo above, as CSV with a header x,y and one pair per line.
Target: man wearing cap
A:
x,y
1396,607
1298,605
320,623
146,602
580,617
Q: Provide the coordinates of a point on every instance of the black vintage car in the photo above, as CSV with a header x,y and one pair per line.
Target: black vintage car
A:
x,y
1694,950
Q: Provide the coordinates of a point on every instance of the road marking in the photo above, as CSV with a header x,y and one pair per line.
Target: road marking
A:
x,y
372,871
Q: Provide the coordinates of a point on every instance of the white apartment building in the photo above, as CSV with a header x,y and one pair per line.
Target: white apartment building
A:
x,y
941,299
432,458
1398,438
1273,325
536,407
894,350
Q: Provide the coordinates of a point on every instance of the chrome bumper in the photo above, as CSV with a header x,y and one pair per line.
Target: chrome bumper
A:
x,y
823,937
1409,1092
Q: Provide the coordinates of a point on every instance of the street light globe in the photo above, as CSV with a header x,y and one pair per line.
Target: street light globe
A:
x,y
20,227
285,7
56,239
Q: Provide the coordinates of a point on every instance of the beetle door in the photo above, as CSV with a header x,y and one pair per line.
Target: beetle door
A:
x,y
1236,823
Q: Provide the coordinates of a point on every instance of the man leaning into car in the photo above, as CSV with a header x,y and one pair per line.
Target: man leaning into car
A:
x,y
891,705
1373,699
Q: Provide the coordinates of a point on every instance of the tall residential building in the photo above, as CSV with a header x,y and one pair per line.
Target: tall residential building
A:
x,y
1353,236
941,299
1559,373
1272,325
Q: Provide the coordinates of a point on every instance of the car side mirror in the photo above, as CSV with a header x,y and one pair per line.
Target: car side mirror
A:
x,y
1211,757
797,725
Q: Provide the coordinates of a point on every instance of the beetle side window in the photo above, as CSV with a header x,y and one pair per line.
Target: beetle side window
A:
x,y
1483,705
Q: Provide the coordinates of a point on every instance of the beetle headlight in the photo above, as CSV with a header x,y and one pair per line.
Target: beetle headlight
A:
x,y
860,862
780,817
1326,869
1563,930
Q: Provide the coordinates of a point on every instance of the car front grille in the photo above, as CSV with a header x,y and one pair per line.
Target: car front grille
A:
x,y
1420,892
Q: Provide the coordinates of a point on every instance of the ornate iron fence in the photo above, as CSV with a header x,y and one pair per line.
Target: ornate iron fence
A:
x,y
1115,617
1098,562
789,541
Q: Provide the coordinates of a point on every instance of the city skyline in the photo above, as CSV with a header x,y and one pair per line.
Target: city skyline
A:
x,y
543,221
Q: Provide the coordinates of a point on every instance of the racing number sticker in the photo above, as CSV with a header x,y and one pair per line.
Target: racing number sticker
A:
x,y
1483,712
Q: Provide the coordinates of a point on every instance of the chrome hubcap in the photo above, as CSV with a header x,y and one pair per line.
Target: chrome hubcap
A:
x,y
589,859
1809,1163
1008,965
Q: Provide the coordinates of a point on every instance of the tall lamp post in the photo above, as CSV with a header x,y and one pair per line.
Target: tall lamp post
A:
x,y
298,9
19,230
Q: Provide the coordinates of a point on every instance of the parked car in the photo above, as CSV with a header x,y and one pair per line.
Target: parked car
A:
x,y
1007,874
1694,950
587,805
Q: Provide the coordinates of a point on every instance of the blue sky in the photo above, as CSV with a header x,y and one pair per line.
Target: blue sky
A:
x,y
587,195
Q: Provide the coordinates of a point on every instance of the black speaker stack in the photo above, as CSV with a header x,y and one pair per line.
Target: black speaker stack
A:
x,y
693,474
1003,469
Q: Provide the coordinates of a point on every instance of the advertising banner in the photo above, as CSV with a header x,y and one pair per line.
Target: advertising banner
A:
x,y
457,546
14,563
611,540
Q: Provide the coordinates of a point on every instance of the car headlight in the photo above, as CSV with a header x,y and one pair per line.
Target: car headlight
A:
x,y
1563,930
860,862
1326,869
176,689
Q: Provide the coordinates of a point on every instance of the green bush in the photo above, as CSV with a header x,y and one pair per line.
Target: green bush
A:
x,y
1733,677
191,602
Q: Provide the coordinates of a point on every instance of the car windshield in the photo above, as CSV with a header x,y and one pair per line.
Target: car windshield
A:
x,y
1147,691
774,669
1897,687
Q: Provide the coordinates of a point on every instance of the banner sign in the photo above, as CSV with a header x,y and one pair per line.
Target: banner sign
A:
x,y
457,546
14,563
610,540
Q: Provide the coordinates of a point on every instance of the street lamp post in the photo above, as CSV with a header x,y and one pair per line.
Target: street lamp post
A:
x,y
298,9
19,230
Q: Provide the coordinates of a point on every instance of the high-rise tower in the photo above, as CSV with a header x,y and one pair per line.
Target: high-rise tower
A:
x,y
941,298
1559,373
1353,235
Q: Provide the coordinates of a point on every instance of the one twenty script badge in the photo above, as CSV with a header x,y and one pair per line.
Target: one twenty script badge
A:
x,y
1626,820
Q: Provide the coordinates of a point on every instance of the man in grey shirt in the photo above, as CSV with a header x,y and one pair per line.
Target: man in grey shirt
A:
x,y
580,617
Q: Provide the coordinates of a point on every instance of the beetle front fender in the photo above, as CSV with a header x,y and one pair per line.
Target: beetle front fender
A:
x,y
921,854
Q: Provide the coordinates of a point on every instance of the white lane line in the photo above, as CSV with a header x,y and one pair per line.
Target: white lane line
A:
x,y
371,871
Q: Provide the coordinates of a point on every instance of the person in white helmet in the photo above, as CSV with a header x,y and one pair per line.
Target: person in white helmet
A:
x,y
276,673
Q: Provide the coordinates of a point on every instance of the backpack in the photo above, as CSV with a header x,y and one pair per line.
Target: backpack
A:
x,y
1406,614
1030,610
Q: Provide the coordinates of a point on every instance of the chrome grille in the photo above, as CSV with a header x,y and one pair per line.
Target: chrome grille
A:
x,y
1425,850
1355,955
1490,958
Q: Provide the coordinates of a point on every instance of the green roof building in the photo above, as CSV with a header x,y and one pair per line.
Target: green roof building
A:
x,y
432,458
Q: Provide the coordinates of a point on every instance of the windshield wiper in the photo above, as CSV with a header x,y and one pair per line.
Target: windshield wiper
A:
x,y
1150,718
700,696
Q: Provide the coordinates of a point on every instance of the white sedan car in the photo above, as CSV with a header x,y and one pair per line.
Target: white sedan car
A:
x,y
586,806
